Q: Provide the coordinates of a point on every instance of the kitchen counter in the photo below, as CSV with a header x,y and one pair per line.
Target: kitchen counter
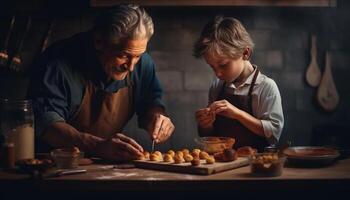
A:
x,y
103,179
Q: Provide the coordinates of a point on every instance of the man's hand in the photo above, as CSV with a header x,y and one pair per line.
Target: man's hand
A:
x,y
119,148
205,118
225,108
161,128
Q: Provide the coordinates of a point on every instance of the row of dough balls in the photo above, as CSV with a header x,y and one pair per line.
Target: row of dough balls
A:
x,y
182,156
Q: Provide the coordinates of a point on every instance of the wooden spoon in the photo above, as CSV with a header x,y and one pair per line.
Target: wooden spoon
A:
x,y
313,73
16,59
3,52
47,36
327,95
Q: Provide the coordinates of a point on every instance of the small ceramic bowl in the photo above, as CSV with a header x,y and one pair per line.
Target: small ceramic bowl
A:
x,y
214,145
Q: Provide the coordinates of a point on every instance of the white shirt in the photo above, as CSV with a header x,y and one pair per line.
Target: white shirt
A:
x,y
266,102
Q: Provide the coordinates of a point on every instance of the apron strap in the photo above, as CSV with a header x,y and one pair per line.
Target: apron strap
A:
x,y
253,81
130,85
251,86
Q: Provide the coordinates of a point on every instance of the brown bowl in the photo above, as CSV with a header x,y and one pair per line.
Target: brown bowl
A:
x,y
214,145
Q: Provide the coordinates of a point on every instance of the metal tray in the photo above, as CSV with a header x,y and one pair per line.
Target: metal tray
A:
x,y
311,156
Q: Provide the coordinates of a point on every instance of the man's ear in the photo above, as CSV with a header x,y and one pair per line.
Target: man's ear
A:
x,y
98,41
247,53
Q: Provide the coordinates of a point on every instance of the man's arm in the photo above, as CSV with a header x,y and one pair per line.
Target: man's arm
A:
x,y
61,134
119,147
158,124
149,107
152,113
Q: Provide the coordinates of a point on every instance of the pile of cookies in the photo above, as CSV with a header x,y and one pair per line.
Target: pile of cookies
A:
x,y
177,157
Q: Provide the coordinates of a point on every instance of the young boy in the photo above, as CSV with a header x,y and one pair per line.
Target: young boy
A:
x,y
243,103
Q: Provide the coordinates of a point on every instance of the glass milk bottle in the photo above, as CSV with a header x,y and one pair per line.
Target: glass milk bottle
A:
x,y
17,126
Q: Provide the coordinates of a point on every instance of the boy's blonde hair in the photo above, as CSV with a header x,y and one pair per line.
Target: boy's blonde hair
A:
x,y
224,37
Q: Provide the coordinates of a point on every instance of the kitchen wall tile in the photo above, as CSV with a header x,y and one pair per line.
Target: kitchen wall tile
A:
x,y
171,80
306,100
178,60
259,58
297,59
292,80
198,80
261,38
274,59
289,39
340,59
262,21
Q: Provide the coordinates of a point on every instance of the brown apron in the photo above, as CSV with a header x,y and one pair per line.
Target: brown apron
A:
x,y
103,114
224,126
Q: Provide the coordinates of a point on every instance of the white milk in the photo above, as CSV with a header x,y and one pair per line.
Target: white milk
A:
x,y
23,139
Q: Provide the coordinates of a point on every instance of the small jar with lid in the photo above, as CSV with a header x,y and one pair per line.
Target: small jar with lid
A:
x,y
17,127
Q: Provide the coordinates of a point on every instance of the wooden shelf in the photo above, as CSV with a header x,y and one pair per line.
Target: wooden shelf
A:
x,y
280,3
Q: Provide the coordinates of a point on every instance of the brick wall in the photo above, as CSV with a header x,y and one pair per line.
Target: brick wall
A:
x,y
281,35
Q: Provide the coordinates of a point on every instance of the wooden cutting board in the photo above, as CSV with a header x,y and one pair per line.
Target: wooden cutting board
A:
x,y
202,169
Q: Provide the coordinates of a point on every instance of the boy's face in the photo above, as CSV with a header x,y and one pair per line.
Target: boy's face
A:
x,y
117,63
225,68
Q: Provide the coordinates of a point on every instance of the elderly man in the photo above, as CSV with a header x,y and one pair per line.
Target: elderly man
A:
x,y
86,88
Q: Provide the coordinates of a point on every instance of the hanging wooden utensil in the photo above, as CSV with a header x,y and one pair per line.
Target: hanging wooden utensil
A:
x,y
3,53
47,36
313,73
16,59
327,95
44,42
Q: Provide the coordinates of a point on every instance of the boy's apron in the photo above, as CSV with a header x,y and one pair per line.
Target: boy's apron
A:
x,y
224,126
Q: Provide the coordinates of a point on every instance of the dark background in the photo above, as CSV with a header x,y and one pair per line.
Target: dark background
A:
x,y
282,38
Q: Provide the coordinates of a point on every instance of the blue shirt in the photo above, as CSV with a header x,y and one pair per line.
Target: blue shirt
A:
x,y
59,76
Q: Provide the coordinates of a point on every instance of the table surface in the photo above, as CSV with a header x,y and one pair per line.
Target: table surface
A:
x,y
105,178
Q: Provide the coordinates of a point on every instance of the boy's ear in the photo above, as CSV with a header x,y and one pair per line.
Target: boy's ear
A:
x,y
247,53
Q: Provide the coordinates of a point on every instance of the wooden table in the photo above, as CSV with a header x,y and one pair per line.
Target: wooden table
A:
x,y
101,180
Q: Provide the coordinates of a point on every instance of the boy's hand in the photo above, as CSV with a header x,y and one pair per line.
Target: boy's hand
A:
x,y
225,108
205,118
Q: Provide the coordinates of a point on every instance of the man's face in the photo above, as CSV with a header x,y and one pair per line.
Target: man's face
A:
x,y
117,63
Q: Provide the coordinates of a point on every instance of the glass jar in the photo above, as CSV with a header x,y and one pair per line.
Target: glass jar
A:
x,y
17,126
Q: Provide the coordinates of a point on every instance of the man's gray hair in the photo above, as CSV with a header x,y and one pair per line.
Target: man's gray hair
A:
x,y
125,21
223,36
